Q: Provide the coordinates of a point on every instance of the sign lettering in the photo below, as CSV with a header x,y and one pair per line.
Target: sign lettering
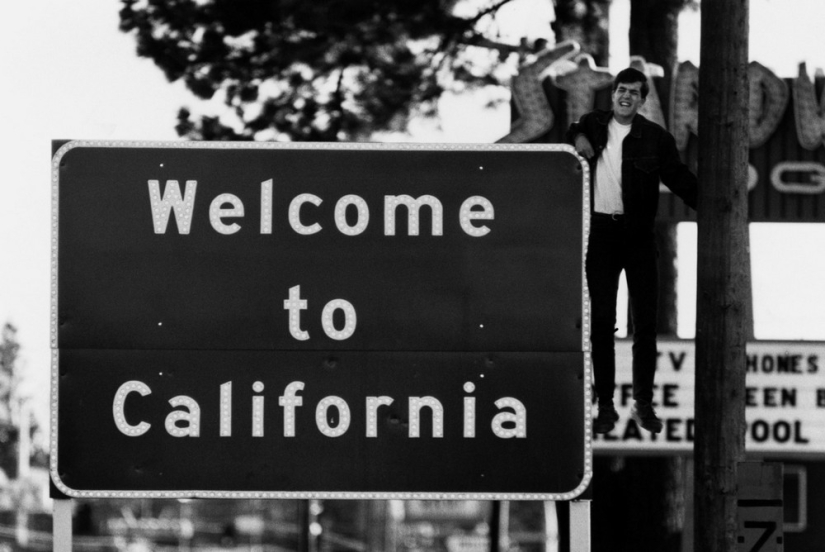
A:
x,y
784,399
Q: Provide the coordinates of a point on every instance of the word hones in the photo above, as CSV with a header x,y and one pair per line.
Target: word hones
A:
x,y
185,420
229,206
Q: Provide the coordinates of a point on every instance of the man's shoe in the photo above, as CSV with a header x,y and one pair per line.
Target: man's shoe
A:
x,y
606,420
645,417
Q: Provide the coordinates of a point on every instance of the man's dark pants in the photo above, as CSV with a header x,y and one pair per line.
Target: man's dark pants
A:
x,y
611,249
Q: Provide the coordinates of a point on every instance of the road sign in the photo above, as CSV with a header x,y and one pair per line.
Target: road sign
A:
x,y
322,320
759,507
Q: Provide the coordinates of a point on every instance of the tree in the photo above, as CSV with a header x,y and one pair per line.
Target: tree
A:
x,y
586,22
9,350
325,70
654,34
10,402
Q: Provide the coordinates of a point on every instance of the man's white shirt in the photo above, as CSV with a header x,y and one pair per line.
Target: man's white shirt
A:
x,y
608,189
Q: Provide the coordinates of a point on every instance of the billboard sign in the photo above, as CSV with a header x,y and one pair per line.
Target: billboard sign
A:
x,y
319,320
784,400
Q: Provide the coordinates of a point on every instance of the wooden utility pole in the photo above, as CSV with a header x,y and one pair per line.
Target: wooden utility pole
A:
x,y
723,279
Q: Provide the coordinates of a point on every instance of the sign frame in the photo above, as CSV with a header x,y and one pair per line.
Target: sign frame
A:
x,y
62,149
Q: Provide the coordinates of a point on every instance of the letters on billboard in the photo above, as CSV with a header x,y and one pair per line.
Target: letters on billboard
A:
x,y
784,400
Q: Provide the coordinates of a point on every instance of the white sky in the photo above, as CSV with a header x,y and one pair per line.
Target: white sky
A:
x,y
69,73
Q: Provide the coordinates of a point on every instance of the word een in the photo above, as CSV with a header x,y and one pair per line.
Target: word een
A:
x,y
183,206
186,421
667,396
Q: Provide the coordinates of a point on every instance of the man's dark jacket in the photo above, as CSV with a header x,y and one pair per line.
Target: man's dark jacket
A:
x,y
649,155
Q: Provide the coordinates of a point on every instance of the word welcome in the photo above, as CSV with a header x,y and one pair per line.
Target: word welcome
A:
x,y
185,421
226,206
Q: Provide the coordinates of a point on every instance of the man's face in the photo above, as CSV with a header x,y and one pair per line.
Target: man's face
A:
x,y
627,100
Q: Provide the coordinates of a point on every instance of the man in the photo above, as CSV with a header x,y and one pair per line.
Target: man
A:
x,y
629,155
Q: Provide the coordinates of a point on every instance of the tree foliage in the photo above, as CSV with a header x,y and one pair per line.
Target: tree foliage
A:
x,y
654,31
9,350
10,402
320,70
586,22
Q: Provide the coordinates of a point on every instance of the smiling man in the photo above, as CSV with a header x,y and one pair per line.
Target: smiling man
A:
x,y
629,156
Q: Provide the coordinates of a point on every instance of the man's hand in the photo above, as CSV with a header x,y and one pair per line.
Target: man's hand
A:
x,y
583,146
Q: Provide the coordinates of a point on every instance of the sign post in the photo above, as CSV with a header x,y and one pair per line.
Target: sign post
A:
x,y
62,525
319,321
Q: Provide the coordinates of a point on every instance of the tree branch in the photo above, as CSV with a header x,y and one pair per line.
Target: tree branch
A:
x,y
492,9
493,45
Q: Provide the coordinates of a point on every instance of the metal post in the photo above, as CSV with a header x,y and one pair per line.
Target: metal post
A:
x,y
580,526
62,524
504,524
551,527
495,526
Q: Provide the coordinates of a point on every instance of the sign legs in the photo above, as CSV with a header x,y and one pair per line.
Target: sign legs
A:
x,y
580,526
62,525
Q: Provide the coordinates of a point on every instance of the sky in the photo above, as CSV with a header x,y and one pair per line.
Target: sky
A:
x,y
68,73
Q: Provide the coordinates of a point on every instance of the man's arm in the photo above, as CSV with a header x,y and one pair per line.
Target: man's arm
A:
x,y
583,146
577,137
675,174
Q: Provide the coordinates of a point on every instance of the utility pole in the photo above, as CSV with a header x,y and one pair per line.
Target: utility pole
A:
x,y
723,271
